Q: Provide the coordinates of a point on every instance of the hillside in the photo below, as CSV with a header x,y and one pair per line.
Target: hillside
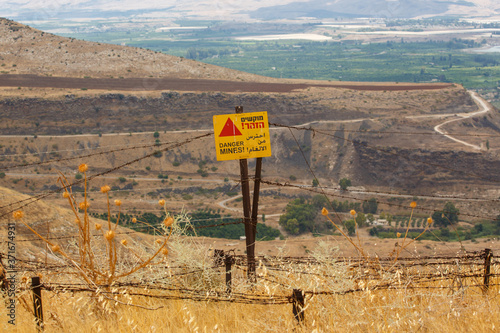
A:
x,y
395,141
53,222
57,224
26,50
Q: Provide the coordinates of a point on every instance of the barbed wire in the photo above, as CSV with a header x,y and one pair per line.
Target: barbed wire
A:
x,y
155,145
416,133
133,231
41,196
355,142
416,282
420,207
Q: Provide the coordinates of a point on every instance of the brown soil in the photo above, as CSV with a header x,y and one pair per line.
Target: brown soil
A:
x,y
171,83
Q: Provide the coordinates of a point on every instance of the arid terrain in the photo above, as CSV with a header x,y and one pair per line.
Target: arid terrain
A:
x,y
64,102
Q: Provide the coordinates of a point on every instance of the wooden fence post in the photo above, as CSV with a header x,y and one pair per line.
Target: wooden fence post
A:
x,y
228,260
488,254
37,301
298,304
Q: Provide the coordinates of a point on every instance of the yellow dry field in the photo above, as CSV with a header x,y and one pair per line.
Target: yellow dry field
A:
x,y
184,292
436,307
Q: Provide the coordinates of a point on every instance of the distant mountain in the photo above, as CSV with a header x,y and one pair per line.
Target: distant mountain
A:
x,y
357,8
35,10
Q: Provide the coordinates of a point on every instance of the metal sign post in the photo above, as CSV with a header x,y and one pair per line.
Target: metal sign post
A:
x,y
242,136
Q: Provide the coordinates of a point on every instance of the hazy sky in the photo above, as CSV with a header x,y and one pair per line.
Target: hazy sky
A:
x,y
49,9
26,10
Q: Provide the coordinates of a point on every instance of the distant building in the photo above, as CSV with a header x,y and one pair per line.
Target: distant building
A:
x,y
380,222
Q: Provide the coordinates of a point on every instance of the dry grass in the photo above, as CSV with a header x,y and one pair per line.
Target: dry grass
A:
x,y
373,312
444,309
187,294
410,304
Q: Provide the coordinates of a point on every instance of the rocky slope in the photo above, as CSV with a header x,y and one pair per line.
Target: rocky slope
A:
x,y
24,50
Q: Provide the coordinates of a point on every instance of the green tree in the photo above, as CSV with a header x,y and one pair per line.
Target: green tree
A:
x,y
361,219
449,215
344,183
370,206
299,216
292,226
389,218
319,201
451,212
350,225
315,182
156,134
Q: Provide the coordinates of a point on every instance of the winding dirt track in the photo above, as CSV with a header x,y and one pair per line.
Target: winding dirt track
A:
x,y
151,84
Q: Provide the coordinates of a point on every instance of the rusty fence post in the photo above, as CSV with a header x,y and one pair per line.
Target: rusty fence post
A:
x,y
36,286
488,254
228,261
247,212
298,304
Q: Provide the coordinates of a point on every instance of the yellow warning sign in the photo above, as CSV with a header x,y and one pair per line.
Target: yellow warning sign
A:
x,y
242,135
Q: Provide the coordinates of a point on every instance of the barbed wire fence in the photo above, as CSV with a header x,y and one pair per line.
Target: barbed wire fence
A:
x,y
473,270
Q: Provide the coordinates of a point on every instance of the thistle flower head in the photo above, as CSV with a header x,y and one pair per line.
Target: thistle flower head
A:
x,y
134,220
398,235
118,202
83,205
109,235
18,215
66,194
353,212
324,211
161,202
413,204
124,242
158,241
165,252
105,189
168,221
83,167
56,248
429,220
98,226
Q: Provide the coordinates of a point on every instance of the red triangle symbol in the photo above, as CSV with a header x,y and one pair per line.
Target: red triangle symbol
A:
x,y
229,129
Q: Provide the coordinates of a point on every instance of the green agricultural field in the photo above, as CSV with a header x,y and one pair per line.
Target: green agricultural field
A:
x,y
402,61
